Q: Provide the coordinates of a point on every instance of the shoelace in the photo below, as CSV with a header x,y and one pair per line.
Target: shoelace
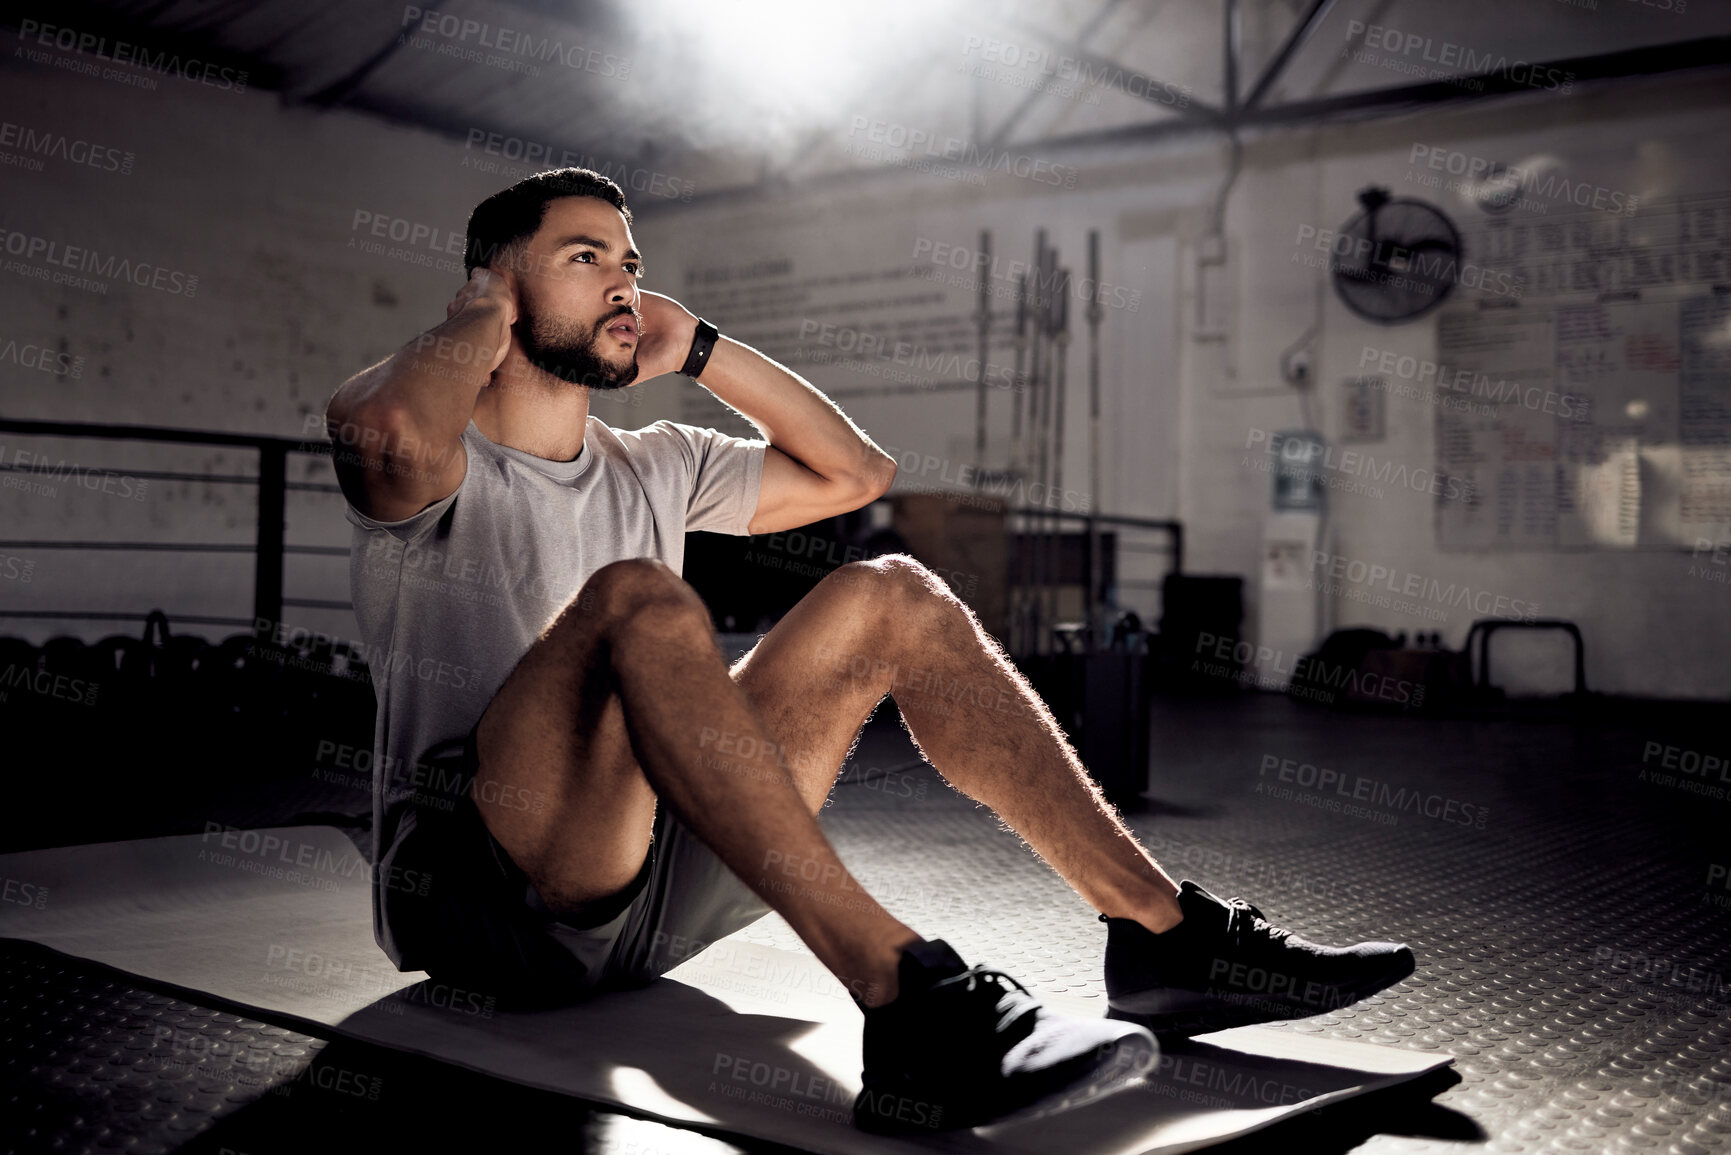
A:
x,y
975,977
1246,923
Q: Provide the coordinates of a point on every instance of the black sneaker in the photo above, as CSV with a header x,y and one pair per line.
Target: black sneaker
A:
x,y
1226,965
961,1046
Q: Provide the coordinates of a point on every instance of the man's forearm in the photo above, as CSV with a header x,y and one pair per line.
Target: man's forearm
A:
x,y
794,416
430,385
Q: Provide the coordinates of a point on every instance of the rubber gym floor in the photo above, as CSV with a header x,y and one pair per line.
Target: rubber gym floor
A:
x,y
1559,872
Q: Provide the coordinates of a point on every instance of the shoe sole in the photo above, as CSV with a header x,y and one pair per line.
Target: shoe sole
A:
x,y
1129,1059
1181,1013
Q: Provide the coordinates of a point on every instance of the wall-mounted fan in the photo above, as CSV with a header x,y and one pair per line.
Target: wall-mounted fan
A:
x,y
1397,259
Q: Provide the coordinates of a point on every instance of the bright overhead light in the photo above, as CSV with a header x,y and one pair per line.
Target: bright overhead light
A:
x,y
814,58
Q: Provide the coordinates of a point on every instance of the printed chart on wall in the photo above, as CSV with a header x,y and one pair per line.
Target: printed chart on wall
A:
x,y
883,313
1600,425
860,318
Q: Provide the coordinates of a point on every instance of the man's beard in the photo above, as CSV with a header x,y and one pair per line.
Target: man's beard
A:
x,y
561,347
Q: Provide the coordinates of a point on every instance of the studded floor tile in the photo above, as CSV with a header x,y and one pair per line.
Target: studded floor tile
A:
x,y
1556,881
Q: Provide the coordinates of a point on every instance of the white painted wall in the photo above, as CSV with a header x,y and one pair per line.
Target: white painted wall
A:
x,y
1650,627
260,202
1184,410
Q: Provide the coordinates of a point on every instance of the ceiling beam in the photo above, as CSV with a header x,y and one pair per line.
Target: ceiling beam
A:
x,y
1632,63
1194,110
1301,33
997,138
339,89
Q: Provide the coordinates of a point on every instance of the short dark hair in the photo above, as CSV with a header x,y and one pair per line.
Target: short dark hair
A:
x,y
513,214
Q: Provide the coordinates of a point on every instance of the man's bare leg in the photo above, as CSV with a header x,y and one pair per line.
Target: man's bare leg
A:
x,y
615,704
890,626
561,726
619,702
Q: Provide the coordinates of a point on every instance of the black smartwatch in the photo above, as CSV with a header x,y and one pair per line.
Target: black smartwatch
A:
x,y
702,345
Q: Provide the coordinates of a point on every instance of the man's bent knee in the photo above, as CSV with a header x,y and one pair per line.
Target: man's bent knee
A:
x,y
895,583
622,591
619,587
642,591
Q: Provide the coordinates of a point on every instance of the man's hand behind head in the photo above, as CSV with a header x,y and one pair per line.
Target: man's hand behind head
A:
x,y
489,289
488,286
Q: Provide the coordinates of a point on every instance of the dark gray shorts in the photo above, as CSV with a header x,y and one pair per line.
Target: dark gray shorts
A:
x,y
483,926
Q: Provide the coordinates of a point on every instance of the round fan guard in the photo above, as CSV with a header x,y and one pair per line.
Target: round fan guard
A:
x,y
1396,260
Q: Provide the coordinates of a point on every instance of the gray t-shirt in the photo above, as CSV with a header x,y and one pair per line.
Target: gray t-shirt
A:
x,y
449,599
